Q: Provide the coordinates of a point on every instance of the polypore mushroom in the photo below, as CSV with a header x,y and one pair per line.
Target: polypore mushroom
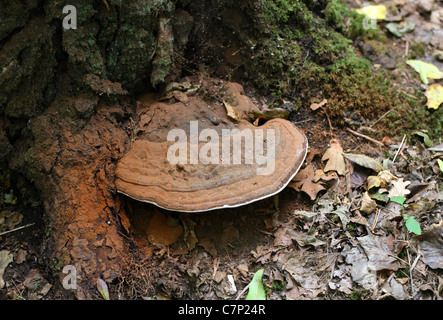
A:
x,y
239,164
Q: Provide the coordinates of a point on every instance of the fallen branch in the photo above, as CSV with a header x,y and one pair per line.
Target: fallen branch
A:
x,y
364,136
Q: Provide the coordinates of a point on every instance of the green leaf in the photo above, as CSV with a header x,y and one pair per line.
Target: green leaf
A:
x,y
378,196
398,199
426,70
440,164
256,289
413,225
9,198
428,142
400,29
103,288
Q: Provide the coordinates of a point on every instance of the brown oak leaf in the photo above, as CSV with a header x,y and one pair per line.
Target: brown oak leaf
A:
x,y
334,155
304,181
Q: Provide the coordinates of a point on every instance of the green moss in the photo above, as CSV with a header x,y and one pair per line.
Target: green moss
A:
x,y
276,12
336,14
418,49
277,62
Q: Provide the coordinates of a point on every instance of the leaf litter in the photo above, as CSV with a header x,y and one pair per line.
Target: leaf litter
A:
x,y
365,230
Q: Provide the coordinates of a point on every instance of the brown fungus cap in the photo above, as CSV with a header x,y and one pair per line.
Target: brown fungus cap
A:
x,y
147,174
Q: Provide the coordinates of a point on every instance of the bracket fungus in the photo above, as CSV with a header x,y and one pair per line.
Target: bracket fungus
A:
x,y
213,164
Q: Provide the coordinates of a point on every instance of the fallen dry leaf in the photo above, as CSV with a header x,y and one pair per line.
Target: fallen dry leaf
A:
x,y
380,256
367,204
398,188
9,220
364,161
285,235
321,175
395,289
373,182
315,106
435,96
360,271
377,12
381,180
37,285
303,181
231,111
431,245
5,259
386,177
334,155
342,211
307,269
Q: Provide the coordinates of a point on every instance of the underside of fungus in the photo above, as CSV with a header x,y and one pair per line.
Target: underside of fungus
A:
x,y
230,164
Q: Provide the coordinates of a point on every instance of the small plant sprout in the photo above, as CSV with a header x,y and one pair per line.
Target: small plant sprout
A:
x,y
411,224
256,289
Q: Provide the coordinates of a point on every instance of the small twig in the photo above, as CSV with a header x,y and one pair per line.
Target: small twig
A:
x,y
407,49
410,95
410,273
307,55
415,262
330,124
304,121
107,4
374,224
364,136
384,115
399,148
22,227
243,291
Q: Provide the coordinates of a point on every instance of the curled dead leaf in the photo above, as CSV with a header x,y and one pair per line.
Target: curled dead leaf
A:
x,y
320,175
231,111
367,204
304,181
373,182
315,106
